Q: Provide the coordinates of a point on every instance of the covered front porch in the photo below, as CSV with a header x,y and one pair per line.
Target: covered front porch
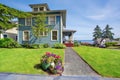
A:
x,y
68,37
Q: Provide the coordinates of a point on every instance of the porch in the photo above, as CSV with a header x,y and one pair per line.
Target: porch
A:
x,y
68,37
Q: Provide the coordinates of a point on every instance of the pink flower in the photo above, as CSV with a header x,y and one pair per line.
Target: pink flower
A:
x,y
57,57
48,53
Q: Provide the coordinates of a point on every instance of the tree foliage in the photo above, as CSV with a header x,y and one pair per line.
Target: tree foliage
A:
x,y
40,25
7,14
107,33
97,32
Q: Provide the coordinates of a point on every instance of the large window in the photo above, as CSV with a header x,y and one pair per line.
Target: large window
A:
x,y
28,22
52,20
25,35
54,35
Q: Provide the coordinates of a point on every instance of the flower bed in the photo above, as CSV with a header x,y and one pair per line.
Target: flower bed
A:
x,y
52,63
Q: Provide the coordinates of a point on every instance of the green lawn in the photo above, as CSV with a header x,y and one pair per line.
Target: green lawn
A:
x,y
105,61
20,60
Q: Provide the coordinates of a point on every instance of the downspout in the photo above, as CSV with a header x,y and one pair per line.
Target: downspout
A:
x,y
61,27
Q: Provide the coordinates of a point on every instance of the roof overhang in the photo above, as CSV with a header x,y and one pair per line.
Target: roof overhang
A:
x,y
67,30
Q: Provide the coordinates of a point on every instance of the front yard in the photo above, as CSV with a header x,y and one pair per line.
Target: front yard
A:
x,y
20,60
105,61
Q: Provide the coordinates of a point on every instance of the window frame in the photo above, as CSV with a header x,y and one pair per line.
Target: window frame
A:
x,y
50,21
28,35
52,35
30,21
36,9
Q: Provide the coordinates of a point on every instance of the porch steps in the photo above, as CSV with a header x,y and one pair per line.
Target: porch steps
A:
x,y
69,44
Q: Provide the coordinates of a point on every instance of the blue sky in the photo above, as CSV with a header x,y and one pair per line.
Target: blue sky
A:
x,y
82,15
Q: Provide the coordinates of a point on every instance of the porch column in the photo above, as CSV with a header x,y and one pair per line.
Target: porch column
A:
x,y
71,36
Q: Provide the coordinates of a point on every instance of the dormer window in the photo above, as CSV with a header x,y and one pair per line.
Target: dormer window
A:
x,y
35,9
41,9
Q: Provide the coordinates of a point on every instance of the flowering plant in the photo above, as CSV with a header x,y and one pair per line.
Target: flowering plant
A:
x,y
52,62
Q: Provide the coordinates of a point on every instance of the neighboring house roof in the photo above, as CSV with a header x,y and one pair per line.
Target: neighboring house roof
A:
x,y
12,30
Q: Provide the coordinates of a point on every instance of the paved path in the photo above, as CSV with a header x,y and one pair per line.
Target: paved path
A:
x,y
9,76
74,65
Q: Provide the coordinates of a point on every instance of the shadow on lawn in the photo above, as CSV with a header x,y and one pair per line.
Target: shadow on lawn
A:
x,y
38,66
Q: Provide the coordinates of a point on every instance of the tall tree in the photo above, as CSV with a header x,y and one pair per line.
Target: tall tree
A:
x,y
7,14
107,33
97,32
40,26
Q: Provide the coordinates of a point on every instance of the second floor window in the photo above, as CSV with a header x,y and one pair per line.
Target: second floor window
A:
x,y
41,9
52,20
28,21
35,9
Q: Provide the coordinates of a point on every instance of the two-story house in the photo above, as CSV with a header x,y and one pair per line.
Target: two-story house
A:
x,y
54,18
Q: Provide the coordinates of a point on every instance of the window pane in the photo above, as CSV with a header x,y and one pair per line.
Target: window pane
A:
x,y
52,20
41,9
28,21
36,9
26,35
54,35
45,33
41,33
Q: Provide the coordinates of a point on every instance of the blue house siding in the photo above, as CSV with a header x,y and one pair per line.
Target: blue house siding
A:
x,y
45,39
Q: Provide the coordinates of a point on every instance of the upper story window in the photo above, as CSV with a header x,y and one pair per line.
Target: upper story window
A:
x,y
52,20
28,22
41,9
35,9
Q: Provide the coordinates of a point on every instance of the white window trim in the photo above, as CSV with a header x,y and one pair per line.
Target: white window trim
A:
x,y
26,22
51,35
28,33
49,19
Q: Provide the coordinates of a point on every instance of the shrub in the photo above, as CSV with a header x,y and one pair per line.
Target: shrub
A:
x,y
8,43
86,44
32,46
46,45
26,45
59,46
76,43
107,44
52,63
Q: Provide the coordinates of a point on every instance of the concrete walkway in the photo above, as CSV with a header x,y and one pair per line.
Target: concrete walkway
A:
x,y
9,76
74,65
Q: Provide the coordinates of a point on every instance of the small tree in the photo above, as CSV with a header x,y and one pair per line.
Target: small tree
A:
x,y
7,14
97,33
39,26
107,33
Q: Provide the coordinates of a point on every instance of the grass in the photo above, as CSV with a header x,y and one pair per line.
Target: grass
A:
x,y
20,60
105,61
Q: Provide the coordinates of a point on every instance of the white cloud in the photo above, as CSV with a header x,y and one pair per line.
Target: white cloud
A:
x,y
97,17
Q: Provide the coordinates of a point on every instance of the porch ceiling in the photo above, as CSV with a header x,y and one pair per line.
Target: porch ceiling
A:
x,y
67,32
